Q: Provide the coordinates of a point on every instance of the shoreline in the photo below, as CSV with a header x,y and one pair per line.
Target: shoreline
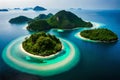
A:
x,y
95,26
87,39
40,57
51,67
25,27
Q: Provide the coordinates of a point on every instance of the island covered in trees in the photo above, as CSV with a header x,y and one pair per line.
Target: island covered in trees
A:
x,y
19,20
42,44
61,20
38,8
4,10
100,34
28,8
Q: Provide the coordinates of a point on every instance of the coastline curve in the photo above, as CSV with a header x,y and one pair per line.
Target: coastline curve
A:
x,y
17,59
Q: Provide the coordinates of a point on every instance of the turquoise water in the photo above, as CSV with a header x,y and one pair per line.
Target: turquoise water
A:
x,y
16,58
97,61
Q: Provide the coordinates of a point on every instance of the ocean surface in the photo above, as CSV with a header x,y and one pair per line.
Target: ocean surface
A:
x,y
98,61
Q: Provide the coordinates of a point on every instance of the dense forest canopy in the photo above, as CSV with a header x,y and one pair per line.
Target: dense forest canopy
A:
x,y
62,20
38,25
42,44
100,34
67,20
19,20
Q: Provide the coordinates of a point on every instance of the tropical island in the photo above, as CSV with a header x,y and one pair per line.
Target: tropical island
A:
x,y
16,9
38,8
4,10
19,20
26,9
42,44
67,20
61,20
100,34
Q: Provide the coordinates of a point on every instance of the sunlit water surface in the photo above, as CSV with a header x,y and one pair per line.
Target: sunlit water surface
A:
x,y
91,61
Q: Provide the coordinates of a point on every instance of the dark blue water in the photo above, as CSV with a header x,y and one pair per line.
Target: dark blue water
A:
x,y
98,61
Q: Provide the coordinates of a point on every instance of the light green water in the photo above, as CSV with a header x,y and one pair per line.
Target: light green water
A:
x,y
17,59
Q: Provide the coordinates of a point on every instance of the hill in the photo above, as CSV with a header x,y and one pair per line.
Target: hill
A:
x,y
19,20
42,44
38,25
61,20
67,20
38,8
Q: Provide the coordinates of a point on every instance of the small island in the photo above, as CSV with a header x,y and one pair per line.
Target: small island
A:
x,y
16,9
19,20
100,34
5,10
42,44
38,8
26,9
61,20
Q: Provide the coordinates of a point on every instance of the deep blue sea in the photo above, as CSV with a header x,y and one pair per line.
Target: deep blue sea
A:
x,y
98,61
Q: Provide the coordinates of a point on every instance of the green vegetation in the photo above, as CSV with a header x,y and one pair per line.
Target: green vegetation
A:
x,y
100,34
38,25
42,44
43,16
63,20
19,20
67,20
38,8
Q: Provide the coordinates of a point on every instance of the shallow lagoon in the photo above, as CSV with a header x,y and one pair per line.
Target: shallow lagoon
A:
x,y
17,58
98,61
